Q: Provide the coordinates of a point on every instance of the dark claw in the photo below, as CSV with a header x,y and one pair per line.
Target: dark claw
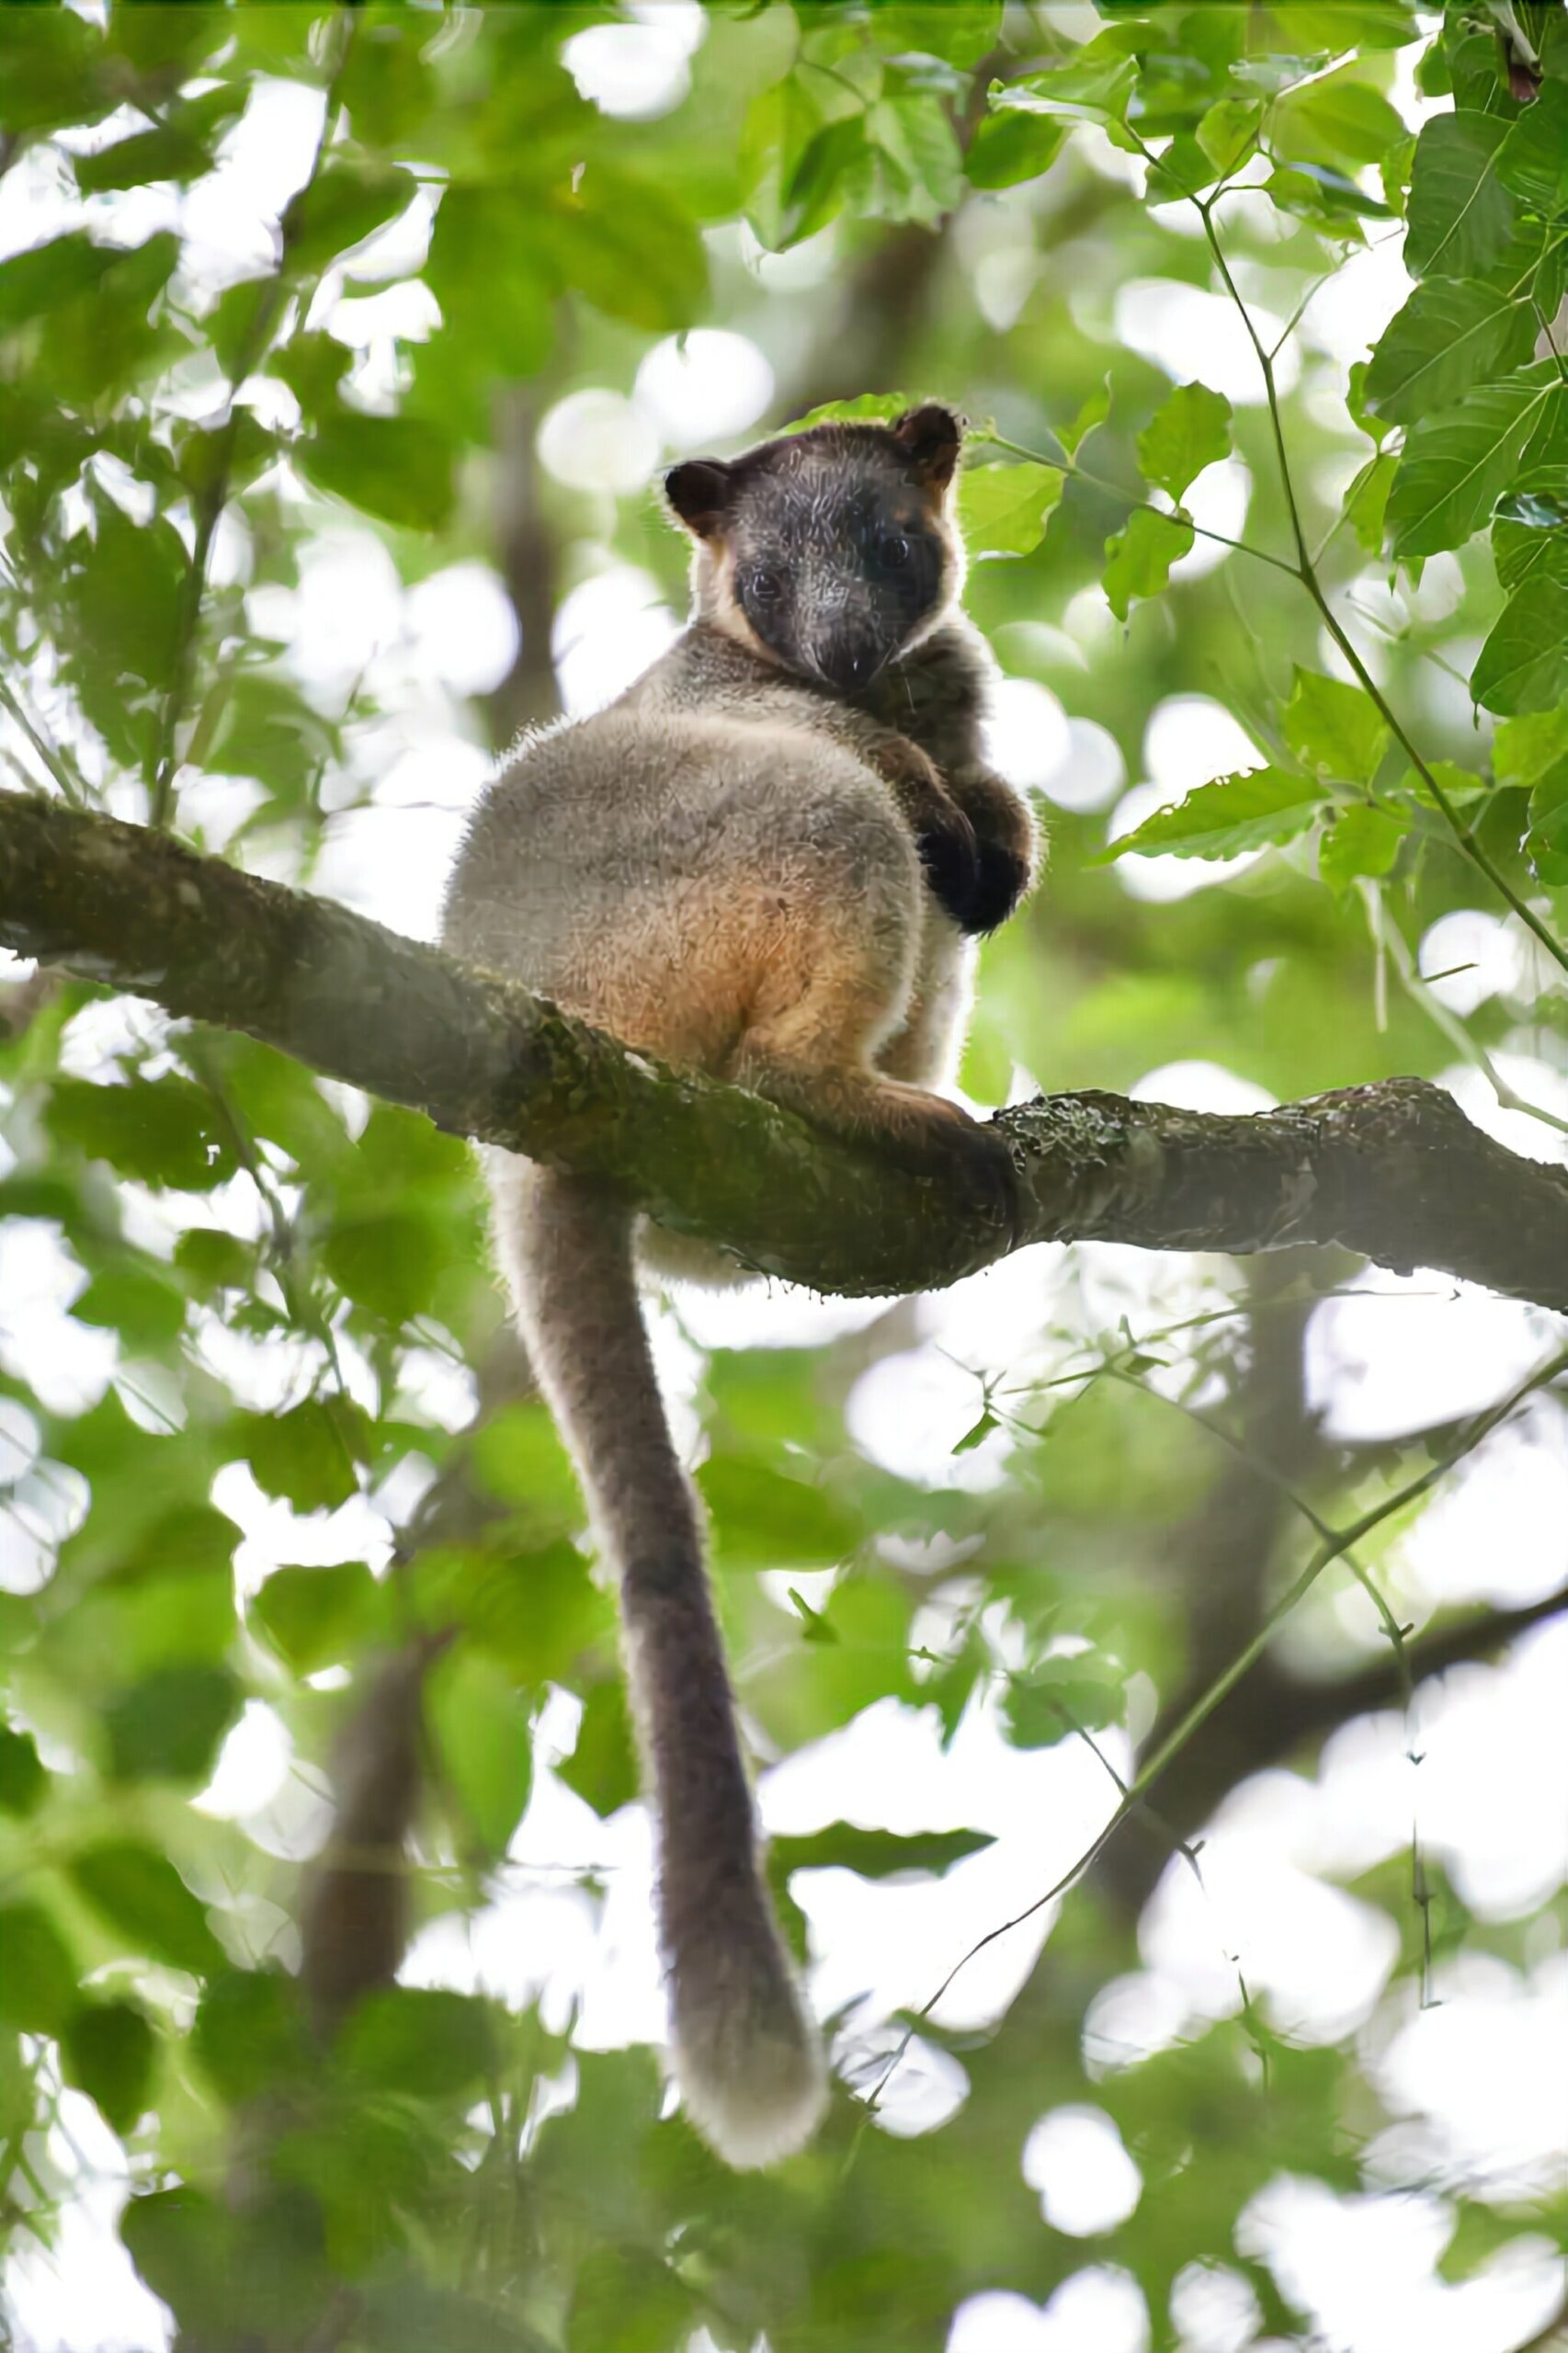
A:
x,y
1001,879
952,859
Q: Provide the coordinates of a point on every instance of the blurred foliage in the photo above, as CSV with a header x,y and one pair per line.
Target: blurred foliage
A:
x,y
889,199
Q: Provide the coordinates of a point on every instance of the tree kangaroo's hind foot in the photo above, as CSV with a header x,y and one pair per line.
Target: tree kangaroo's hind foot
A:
x,y
922,1130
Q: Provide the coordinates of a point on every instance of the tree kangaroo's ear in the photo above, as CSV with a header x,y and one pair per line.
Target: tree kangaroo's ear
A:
x,y
698,493
929,437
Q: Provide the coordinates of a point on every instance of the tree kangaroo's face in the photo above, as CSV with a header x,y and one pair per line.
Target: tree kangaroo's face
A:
x,y
832,550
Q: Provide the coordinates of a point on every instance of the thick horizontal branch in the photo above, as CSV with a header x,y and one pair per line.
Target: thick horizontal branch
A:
x,y
1392,1171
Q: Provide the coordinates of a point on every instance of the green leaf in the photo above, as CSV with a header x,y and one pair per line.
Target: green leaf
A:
x,y
1394,172
1458,464
1532,162
760,1516
259,725
319,1617
1453,332
1525,749
1365,501
873,1854
1358,841
184,2246
516,1457
24,1778
142,1895
234,324
1523,667
399,468
1007,149
1099,81
1545,843
127,586
831,167
913,136
1238,812
964,31
790,167
248,2032
1003,510
1457,785
1334,728
147,1311
479,1720
497,298
308,1455
388,1264
602,1767
45,276
628,245
1319,193
1338,119
624,2299
344,204
977,1433
170,1725
37,1975
179,149
1138,557
1461,217
47,58
160,1131
418,2039
386,85
1189,430
213,1260
1092,414
1529,530
401,2315
1062,1696
869,408
1336,25
1228,132
1182,169
107,2051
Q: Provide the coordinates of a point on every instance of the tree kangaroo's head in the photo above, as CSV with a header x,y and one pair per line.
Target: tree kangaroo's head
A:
x,y
832,550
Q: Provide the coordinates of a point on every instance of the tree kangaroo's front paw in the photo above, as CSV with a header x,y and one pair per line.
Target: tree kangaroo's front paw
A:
x,y
952,859
1001,879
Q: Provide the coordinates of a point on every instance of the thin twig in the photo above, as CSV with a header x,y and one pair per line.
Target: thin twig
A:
x,y
1076,473
1203,1708
1306,572
53,759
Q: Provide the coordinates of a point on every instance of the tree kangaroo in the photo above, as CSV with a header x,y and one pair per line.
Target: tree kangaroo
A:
x,y
765,860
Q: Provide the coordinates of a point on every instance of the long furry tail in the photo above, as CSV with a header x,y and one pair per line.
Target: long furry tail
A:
x,y
748,2058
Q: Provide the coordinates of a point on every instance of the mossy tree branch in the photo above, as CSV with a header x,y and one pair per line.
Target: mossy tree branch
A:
x,y
1393,1171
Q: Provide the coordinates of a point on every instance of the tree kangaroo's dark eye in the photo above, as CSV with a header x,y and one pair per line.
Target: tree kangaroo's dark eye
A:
x,y
894,552
764,587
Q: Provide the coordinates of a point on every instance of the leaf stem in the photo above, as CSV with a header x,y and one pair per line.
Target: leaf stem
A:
x,y
1074,473
1306,572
